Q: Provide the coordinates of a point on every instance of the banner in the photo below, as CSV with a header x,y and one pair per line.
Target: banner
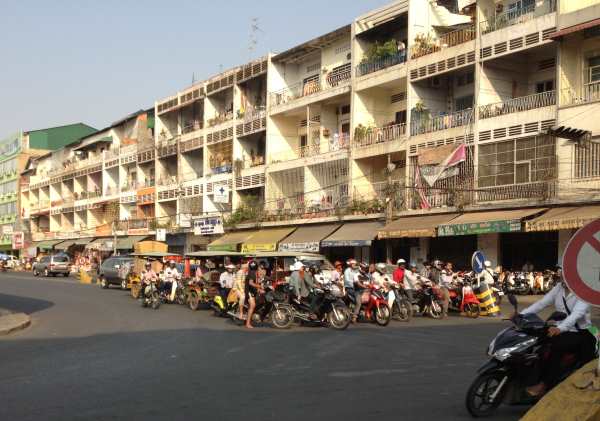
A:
x,y
18,240
447,168
208,226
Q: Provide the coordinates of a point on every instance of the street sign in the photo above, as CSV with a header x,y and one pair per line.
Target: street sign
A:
x,y
581,263
478,262
161,234
221,194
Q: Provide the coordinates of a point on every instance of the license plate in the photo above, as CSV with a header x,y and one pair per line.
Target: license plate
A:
x,y
500,293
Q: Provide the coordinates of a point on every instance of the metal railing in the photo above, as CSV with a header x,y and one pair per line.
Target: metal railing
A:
x,y
316,147
302,89
441,122
428,46
376,135
220,119
192,126
367,67
515,105
590,92
516,16
252,114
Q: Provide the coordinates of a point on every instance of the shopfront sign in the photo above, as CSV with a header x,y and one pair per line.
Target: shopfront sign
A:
x,y
257,247
346,243
310,246
7,229
208,226
18,240
510,225
223,247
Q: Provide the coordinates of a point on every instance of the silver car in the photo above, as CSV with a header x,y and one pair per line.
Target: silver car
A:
x,y
52,266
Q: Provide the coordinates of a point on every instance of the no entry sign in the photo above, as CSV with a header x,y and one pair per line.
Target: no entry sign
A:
x,y
581,263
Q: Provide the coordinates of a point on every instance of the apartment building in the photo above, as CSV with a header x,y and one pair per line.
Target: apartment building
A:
x,y
422,129
15,151
92,189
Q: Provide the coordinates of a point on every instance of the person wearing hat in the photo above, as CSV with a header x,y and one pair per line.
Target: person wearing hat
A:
x,y
226,281
171,277
296,279
337,273
351,282
398,275
426,271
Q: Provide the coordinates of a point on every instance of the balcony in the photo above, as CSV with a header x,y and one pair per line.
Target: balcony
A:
x,y
219,119
192,126
543,190
441,122
516,16
253,122
334,79
168,147
368,136
426,44
320,147
368,67
590,92
516,105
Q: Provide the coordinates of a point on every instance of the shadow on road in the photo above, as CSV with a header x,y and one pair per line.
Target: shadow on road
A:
x,y
20,304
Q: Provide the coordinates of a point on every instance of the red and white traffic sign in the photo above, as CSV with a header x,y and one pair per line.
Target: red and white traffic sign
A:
x,y
581,263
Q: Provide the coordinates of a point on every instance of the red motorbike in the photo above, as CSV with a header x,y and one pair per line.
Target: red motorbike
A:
x,y
463,299
374,306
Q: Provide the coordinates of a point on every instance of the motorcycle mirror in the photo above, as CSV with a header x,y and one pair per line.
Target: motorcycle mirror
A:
x,y
513,301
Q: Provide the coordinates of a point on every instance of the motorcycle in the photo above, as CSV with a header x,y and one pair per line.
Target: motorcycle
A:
x,y
463,299
517,283
428,300
374,306
150,297
400,306
517,355
330,311
268,307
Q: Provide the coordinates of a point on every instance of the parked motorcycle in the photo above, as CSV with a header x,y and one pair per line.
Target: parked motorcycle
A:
x,y
330,311
517,283
428,300
463,299
150,296
517,355
374,306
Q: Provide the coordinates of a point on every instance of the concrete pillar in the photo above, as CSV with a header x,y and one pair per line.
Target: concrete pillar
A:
x,y
419,253
489,245
563,238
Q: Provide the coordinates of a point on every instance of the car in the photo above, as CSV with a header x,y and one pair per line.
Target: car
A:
x,y
52,266
11,261
113,271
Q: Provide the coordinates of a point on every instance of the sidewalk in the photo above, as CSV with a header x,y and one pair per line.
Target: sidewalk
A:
x,y
10,322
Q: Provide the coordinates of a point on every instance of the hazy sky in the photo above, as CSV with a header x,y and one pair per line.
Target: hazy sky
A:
x,y
96,61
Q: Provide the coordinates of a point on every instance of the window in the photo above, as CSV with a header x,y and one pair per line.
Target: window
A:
x,y
587,161
463,103
517,161
400,117
593,69
545,86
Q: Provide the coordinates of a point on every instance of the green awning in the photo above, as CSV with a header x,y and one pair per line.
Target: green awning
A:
x,y
487,222
64,245
126,243
47,244
230,241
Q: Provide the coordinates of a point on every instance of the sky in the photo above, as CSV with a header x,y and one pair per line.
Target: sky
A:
x,y
88,61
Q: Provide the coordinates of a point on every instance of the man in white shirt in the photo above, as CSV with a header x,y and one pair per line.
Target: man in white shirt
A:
x,y
226,281
412,279
570,335
171,277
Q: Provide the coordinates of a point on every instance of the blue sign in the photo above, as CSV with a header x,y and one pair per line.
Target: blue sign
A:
x,y
477,262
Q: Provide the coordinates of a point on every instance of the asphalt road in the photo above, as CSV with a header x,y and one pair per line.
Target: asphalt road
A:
x,y
96,354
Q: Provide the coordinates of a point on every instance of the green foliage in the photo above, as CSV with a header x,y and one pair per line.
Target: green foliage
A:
x,y
251,210
379,51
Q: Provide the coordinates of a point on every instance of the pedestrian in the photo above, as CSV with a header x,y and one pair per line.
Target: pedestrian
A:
x,y
401,46
239,287
252,290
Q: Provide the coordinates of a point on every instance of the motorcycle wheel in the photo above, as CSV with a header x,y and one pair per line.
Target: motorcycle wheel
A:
x,y
135,290
339,317
402,311
435,309
478,395
155,300
471,310
193,301
282,317
525,290
382,315
123,284
103,283
181,298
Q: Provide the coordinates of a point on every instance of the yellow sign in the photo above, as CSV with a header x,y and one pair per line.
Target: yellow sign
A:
x,y
253,248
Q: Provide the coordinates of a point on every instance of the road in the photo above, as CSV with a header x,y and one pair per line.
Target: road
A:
x,y
93,354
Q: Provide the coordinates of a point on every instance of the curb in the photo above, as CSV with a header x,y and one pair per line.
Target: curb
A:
x,y
13,322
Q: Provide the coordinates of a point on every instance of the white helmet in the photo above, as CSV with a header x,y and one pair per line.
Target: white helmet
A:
x,y
297,266
380,267
229,266
401,262
487,264
351,262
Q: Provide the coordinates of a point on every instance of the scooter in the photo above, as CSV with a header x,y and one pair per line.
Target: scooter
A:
x,y
400,306
463,299
428,300
267,308
517,355
150,297
374,306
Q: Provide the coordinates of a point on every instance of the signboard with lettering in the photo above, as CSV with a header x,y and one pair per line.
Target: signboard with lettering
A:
x,y
510,225
208,226
310,246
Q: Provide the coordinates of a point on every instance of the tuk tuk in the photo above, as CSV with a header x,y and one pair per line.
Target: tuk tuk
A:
x,y
134,275
204,291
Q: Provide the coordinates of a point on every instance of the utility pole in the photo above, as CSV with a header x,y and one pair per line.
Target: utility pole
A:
x,y
114,230
389,204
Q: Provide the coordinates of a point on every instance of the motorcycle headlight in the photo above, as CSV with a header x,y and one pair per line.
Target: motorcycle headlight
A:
x,y
504,353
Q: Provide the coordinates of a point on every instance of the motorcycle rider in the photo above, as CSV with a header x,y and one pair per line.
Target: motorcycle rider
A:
x,y
350,281
252,289
171,277
226,280
297,280
411,281
398,275
426,271
239,286
570,335
148,276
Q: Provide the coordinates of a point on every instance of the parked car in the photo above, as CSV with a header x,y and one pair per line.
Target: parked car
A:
x,y
113,271
11,261
52,266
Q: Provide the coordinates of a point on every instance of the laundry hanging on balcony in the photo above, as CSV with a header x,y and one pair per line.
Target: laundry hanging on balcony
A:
x,y
441,162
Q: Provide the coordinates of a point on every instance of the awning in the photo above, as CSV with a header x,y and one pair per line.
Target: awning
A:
x,y
353,234
64,245
564,218
575,28
308,238
229,241
126,243
415,226
101,244
487,222
82,241
47,244
266,239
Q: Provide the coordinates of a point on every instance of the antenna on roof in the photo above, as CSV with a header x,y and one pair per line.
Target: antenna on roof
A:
x,y
193,78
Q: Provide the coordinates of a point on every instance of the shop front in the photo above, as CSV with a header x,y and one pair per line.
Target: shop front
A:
x,y
354,240
265,239
230,241
308,238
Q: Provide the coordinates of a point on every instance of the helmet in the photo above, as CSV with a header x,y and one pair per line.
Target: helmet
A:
x,y
487,264
297,266
363,266
401,262
252,265
437,263
413,265
314,269
380,267
172,263
148,264
229,266
351,262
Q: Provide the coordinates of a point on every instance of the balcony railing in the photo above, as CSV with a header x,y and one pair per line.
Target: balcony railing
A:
x,y
442,122
516,105
192,126
372,66
303,89
220,119
372,198
590,92
87,194
376,135
317,147
539,190
518,15
425,45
